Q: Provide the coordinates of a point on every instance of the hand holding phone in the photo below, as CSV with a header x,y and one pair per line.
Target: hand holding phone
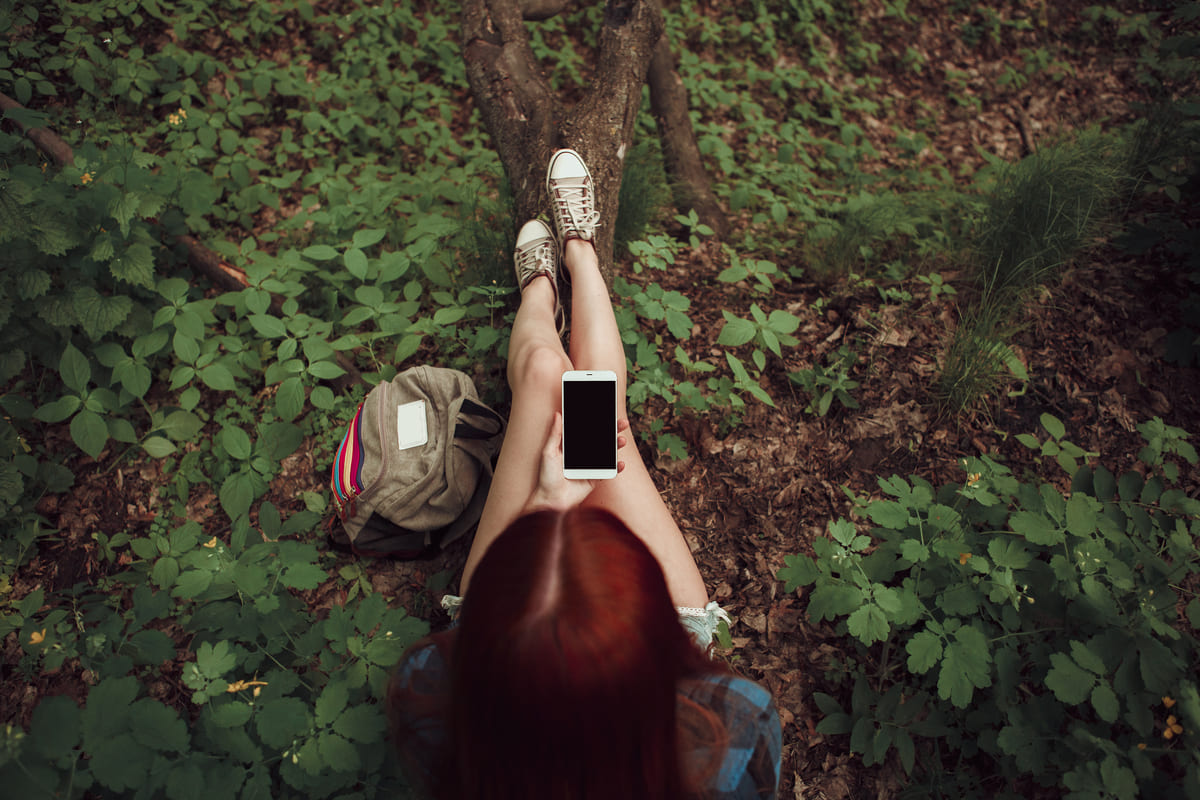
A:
x,y
589,409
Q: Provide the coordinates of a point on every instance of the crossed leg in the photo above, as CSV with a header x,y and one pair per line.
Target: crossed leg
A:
x,y
536,362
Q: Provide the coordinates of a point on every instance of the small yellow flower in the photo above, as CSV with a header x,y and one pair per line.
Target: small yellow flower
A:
x,y
37,637
1173,728
241,686
973,478
1168,702
177,117
963,558
1141,745
211,543
86,178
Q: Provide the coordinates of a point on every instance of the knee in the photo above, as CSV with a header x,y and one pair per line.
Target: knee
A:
x,y
538,369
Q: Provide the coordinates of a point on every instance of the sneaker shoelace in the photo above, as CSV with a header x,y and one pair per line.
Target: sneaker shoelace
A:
x,y
538,258
576,212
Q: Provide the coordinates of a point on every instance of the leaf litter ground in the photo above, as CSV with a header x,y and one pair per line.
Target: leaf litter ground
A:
x,y
747,497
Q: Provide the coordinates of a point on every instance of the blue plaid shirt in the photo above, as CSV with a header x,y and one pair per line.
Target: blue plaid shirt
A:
x,y
750,764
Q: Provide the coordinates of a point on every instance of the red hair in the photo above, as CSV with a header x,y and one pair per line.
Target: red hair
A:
x,y
565,668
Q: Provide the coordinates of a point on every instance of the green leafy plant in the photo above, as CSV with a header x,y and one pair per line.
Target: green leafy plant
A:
x,y
830,382
1006,634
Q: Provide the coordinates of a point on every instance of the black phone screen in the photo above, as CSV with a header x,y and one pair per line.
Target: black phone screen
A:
x,y
589,424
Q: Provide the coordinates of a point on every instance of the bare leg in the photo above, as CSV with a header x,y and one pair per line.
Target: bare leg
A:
x,y
536,362
632,495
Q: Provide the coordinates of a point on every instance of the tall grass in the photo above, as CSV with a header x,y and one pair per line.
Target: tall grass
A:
x,y
1042,212
1039,214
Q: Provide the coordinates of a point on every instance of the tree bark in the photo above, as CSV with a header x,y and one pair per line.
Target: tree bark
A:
x,y
668,99
527,122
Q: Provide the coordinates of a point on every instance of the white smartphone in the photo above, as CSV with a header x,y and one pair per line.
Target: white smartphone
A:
x,y
589,409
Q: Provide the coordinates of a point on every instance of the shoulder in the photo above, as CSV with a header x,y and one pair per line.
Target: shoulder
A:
x,y
422,669
750,763
730,695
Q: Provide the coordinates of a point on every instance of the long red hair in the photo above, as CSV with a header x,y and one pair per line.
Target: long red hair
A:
x,y
564,672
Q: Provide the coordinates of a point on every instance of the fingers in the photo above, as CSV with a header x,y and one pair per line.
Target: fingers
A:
x,y
554,440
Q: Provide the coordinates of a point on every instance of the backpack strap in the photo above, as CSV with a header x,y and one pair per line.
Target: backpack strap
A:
x,y
467,430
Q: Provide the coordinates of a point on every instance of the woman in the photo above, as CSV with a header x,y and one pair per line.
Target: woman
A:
x,y
577,667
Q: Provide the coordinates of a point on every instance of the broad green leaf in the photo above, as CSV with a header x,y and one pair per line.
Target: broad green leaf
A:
x,y
799,570
189,322
269,326
74,369
912,550
135,265
236,442
289,398
1086,658
153,647
158,727
736,331
304,576
331,702
888,600
339,753
868,624
965,666
1036,528
924,650
58,410
237,494
1008,552
1068,681
279,721
356,263
1053,426
1159,667
56,727
831,600
321,397
191,583
214,660
107,710
1119,781
218,377
120,763
158,446
325,370
182,426
369,296
134,377
232,715
1104,700
165,572
1081,517
32,283
361,723
84,76
187,781
89,432
842,531
888,514
186,348
99,313
368,236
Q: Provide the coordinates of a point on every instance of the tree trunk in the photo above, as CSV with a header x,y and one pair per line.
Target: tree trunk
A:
x,y
668,99
527,122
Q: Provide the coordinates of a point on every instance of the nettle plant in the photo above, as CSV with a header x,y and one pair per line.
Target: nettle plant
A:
x,y
1005,634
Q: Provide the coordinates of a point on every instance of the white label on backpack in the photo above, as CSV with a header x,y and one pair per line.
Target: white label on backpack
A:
x,y
410,424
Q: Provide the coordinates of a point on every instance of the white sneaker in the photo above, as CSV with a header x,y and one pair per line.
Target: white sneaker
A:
x,y
536,254
572,197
